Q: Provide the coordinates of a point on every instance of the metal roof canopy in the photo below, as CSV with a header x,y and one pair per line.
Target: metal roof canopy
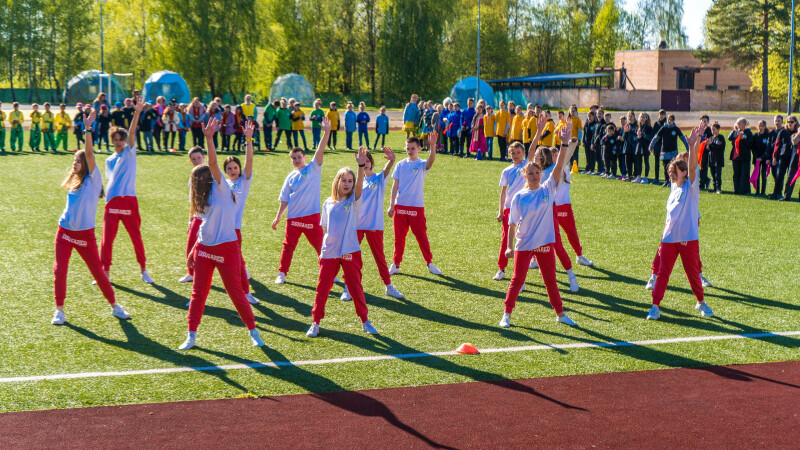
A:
x,y
552,79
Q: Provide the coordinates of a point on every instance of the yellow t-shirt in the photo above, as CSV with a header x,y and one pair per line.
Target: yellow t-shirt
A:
x,y
333,116
516,128
2,118
548,141
501,123
15,116
488,125
532,128
577,126
47,121
36,117
297,125
248,110
526,137
559,127
63,121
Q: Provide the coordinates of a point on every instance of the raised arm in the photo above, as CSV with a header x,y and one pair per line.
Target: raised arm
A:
x,y
138,105
326,130
565,154
248,155
540,124
432,138
361,159
388,154
209,130
692,145
88,149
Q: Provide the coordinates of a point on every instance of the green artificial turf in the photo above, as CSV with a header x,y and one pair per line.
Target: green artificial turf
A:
x,y
748,247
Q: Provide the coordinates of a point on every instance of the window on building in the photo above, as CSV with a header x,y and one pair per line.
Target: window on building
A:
x,y
685,79
734,88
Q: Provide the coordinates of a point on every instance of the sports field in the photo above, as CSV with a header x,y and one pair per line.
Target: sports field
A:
x,y
748,247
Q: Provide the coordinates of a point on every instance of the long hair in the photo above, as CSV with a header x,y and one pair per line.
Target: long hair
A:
x,y
528,166
677,164
543,157
202,181
232,159
335,195
74,180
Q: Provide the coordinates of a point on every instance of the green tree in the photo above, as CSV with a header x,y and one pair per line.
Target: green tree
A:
x,y
607,38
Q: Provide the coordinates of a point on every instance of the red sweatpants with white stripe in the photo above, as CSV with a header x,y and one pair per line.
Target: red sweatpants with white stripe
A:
x,y
566,263
566,219
243,270
306,225
85,243
547,266
328,268
227,259
375,241
502,261
413,217
125,209
668,253
191,238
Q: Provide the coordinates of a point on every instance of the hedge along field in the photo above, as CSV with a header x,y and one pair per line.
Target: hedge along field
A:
x,y
747,247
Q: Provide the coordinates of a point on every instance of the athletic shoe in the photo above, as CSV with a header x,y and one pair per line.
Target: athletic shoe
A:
x,y
313,330
533,264
583,261
346,295
119,312
433,269
505,322
654,313
281,278
368,328
392,291
59,318
499,275
255,338
718,191
394,270
186,279
704,309
146,277
189,342
705,281
644,181
108,274
603,176
651,283
573,284
566,320
252,299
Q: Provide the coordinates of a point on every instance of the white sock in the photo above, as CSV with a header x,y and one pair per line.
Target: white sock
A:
x,y
570,273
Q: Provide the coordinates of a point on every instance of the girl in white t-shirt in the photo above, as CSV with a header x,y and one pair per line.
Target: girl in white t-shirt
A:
x,y
340,248
531,222
681,231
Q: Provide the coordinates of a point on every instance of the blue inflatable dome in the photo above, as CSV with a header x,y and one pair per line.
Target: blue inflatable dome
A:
x,y
465,89
167,84
85,86
292,85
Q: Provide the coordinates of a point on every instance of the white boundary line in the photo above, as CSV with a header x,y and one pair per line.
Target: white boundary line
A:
x,y
256,365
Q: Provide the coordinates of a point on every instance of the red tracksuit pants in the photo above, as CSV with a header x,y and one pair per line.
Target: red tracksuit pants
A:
x,y
375,241
668,253
307,225
191,238
502,261
656,266
547,266
125,209
328,268
566,263
227,259
413,217
566,219
243,270
85,243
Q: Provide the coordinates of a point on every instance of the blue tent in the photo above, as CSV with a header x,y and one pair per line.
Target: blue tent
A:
x,y
292,85
85,86
167,84
465,89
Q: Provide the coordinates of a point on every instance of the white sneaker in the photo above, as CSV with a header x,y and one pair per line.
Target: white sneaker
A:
x,y
59,318
651,283
252,299
189,342
499,275
394,270
505,322
345,295
704,309
281,278
247,272
636,180
573,284
119,312
108,274
705,282
368,328
654,313
313,331
186,279
533,264
643,180
146,277
392,291
583,261
566,320
255,338
433,269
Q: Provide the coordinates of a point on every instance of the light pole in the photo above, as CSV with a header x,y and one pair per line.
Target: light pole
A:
x,y
791,66
102,56
478,83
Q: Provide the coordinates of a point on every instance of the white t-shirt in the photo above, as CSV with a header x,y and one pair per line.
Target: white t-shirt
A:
x,y
562,191
240,189
683,209
219,217
532,212
373,190
514,177
339,219
411,176
121,174
81,206
301,190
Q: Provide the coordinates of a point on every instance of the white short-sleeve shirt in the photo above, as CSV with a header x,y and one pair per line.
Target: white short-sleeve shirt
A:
x,y
121,174
301,191
411,176
532,212
339,219
373,191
